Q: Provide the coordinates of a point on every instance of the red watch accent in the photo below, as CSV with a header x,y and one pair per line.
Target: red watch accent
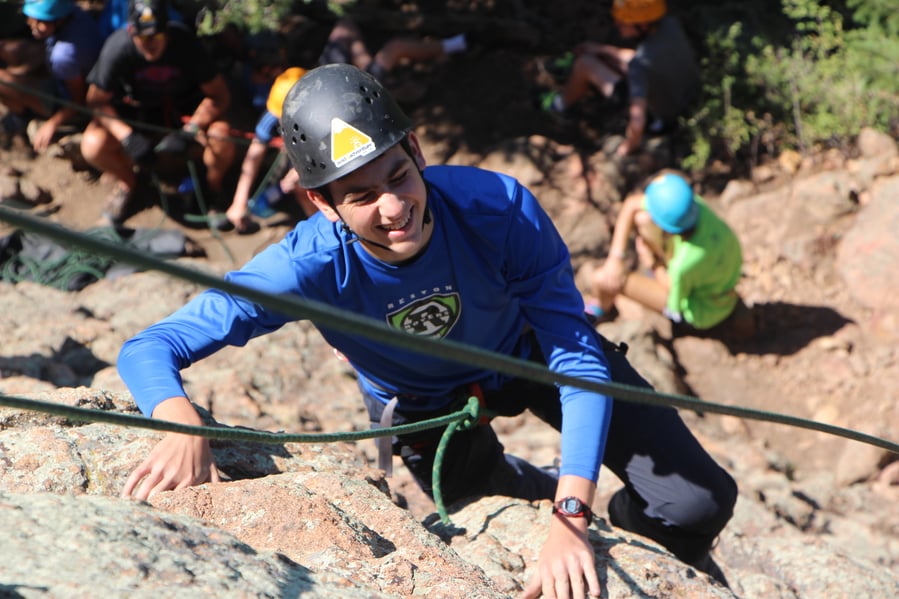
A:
x,y
572,507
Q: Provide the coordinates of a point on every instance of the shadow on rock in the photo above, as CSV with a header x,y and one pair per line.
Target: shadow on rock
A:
x,y
777,328
72,365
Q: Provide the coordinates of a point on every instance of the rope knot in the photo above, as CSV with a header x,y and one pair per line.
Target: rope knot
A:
x,y
472,412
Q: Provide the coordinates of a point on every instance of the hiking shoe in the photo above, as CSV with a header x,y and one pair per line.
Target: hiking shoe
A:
x,y
116,206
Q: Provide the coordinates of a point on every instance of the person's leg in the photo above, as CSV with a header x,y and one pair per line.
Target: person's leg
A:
x,y
21,57
218,154
616,58
645,290
345,46
474,462
104,152
674,492
588,71
648,287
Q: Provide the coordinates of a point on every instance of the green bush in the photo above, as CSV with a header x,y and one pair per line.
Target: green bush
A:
x,y
818,86
256,15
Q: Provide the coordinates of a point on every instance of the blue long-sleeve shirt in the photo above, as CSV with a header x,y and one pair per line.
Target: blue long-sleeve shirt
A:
x,y
495,266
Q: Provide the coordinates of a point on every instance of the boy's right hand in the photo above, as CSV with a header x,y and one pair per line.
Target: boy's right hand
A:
x,y
178,461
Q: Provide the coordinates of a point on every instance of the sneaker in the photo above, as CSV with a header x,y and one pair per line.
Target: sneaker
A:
x,y
549,104
560,67
596,315
116,205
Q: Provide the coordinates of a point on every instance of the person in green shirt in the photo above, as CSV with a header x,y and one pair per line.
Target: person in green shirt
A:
x,y
691,258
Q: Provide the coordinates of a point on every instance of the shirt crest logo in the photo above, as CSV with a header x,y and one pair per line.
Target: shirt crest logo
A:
x,y
348,143
433,316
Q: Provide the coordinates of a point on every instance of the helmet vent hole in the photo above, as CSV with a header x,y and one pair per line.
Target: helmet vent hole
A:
x,y
302,137
369,101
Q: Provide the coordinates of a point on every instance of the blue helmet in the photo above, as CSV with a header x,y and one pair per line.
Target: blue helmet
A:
x,y
670,203
48,10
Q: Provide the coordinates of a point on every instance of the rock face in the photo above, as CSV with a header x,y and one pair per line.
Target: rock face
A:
x,y
316,520
65,546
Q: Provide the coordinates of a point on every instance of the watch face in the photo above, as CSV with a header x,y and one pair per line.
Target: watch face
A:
x,y
571,505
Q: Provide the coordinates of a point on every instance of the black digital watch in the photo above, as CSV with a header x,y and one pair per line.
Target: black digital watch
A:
x,y
572,507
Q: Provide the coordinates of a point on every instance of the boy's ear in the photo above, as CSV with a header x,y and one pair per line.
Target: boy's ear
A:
x,y
323,205
417,154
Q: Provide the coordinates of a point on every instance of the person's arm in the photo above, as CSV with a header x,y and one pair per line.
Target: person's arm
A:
x,y
636,125
249,169
566,559
101,102
77,88
540,276
150,364
612,274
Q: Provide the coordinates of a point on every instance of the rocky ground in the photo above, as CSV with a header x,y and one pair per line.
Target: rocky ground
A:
x,y
817,515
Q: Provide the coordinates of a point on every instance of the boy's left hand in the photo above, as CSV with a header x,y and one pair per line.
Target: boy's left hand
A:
x,y
566,560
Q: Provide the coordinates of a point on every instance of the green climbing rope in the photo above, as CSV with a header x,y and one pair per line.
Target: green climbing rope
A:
x,y
343,321
461,420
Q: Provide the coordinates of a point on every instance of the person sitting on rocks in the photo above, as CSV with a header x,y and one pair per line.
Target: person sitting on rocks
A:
x,y
691,259
154,73
660,77
72,42
267,130
345,46
455,253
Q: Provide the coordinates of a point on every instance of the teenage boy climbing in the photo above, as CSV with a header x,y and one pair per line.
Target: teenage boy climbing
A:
x,y
448,252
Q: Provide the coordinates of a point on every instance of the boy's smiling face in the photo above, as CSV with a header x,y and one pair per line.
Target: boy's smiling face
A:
x,y
384,204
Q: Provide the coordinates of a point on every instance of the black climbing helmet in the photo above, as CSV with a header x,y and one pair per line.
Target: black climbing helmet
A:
x,y
336,119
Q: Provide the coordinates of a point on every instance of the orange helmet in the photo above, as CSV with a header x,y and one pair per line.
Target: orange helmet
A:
x,y
280,87
633,12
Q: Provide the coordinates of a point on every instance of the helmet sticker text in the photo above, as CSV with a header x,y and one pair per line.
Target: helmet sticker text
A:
x,y
348,143
433,316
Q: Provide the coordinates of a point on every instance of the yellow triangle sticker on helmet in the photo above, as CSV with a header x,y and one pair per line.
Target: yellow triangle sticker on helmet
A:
x,y
348,143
